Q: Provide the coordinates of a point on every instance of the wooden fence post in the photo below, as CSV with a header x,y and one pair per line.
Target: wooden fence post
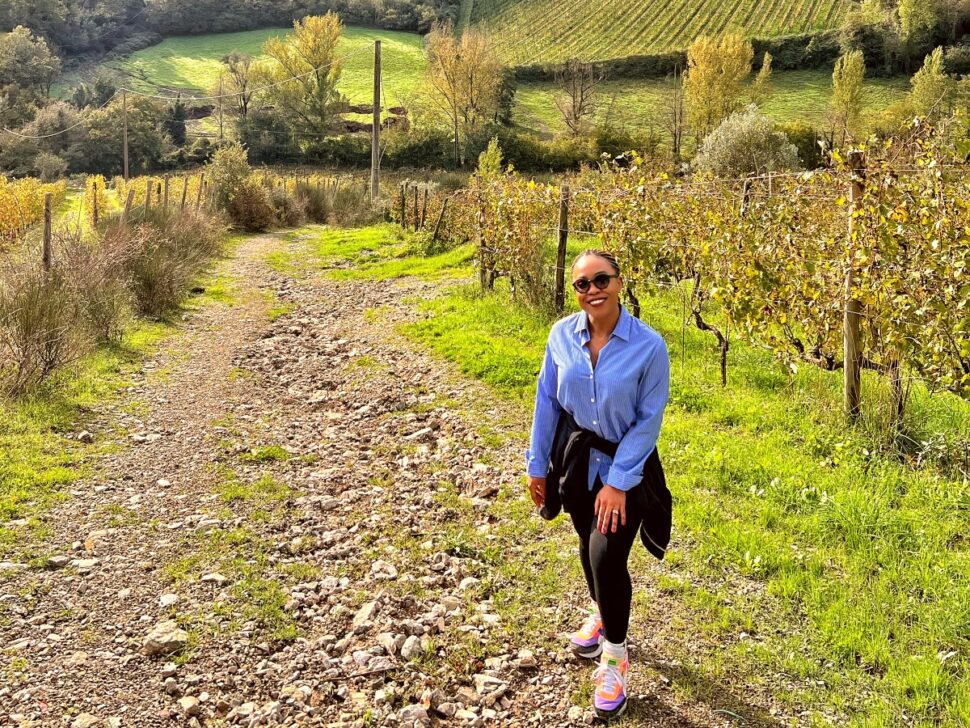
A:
x,y
852,354
149,188
198,196
424,208
561,249
127,211
417,210
48,216
95,212
185,192
165,202
404,208
441,216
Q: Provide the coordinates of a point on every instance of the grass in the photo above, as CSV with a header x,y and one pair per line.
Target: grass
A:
x,y
810,563
640,104
38,459
193,63
533,31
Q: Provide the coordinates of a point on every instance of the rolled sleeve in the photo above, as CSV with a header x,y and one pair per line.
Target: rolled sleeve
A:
x,y
546,416
641,439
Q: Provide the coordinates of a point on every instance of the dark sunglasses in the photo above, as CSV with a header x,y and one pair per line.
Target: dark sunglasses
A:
x,y
600,280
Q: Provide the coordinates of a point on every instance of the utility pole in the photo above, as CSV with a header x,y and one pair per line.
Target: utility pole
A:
x,y
375,152
124,103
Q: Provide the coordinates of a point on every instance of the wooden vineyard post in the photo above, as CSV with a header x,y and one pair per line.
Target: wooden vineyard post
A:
x,y
165,200
48,214
127,211
852,315
149,187
424,208
417,210
746,197
95,212
404,207
561,250
441,216
185,192
198,196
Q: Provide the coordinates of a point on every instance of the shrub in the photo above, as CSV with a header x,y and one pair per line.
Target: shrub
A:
x,y
807,141
614,142
250,208
49,166
315,201
99,284
351,206
228,172
40,329
288,207
746,143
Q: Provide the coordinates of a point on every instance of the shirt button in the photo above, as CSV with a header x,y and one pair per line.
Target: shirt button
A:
x,y
590,376
592,399
594,422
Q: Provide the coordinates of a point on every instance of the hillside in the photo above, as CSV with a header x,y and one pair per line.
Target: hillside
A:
x,y
530,31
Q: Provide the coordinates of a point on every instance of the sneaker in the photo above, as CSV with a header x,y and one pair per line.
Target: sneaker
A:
x,y
588,641
609,700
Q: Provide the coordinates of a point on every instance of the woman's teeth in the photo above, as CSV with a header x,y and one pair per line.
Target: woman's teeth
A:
x,y
597,301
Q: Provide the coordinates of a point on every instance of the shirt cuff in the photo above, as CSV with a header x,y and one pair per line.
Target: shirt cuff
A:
x,y
534,468
622,480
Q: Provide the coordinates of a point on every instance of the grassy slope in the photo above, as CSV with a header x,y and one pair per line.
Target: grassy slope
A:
x,y
529,31
805,564
193,62
798,95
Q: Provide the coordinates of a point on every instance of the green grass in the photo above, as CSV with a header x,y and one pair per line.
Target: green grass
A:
x,y
534,31
847,569
37,458
193,63
640,104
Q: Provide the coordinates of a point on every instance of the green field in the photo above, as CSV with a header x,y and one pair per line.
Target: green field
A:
x,y
531,31
640,104
193,63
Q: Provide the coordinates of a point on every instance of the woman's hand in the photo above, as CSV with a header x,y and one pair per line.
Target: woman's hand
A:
x,y
610,509
537,489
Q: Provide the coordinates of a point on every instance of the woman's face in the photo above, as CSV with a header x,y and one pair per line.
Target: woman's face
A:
x,y
595,301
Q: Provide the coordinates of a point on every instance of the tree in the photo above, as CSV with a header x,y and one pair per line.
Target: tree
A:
x,y
303,72
746,143
27,61
238,80
675,116
577,82
713,84
174,122
932,90
464,77
100,148
847,94
917,21
761,88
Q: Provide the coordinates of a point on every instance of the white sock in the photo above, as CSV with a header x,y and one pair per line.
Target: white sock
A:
x,y
614,650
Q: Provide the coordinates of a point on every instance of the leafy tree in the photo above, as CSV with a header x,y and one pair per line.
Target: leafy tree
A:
x,y
100,148
27,61
931,94
303,73
847,94
761,88
464,76
746,143
174,122
238,80
917,21
97,94
713,84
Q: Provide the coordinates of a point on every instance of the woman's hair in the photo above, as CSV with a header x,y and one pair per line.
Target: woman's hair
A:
x,y
604,254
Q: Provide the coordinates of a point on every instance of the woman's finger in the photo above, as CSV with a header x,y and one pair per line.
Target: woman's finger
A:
x,y
623,514
615,520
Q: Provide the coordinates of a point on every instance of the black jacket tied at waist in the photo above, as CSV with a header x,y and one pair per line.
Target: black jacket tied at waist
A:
x,y
568,480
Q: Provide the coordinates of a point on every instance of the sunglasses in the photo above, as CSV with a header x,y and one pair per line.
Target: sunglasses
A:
x,y
600,280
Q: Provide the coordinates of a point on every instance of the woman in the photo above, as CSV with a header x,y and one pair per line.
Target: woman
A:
x,y
601,395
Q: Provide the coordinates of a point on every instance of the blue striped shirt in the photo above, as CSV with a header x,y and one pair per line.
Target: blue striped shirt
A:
x,y
622,400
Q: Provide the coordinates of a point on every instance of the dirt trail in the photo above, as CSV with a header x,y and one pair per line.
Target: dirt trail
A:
x,y
281,511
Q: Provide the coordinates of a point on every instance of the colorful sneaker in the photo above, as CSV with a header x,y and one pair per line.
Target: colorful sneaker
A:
x,y
609,700
588,641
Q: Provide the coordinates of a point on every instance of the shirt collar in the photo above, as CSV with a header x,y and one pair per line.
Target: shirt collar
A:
x,y
622,329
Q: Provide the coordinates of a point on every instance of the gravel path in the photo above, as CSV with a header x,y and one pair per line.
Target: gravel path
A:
x,y
276,539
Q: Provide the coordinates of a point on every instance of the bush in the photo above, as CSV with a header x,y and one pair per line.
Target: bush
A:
x,y
315,201
99,285
250,208
614,142
228,172
49,166
40,330
164,254
288,208
529,153
421,147
746,143
956,60
807,141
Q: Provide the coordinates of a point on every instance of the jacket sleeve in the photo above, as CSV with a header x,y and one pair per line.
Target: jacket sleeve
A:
x,y
641,439
544,421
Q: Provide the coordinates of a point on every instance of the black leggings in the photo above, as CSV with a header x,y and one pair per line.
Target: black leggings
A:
x,y
604,560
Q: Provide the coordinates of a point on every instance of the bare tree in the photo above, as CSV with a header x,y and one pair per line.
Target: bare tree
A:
x,y
578,81
675,113
238,80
